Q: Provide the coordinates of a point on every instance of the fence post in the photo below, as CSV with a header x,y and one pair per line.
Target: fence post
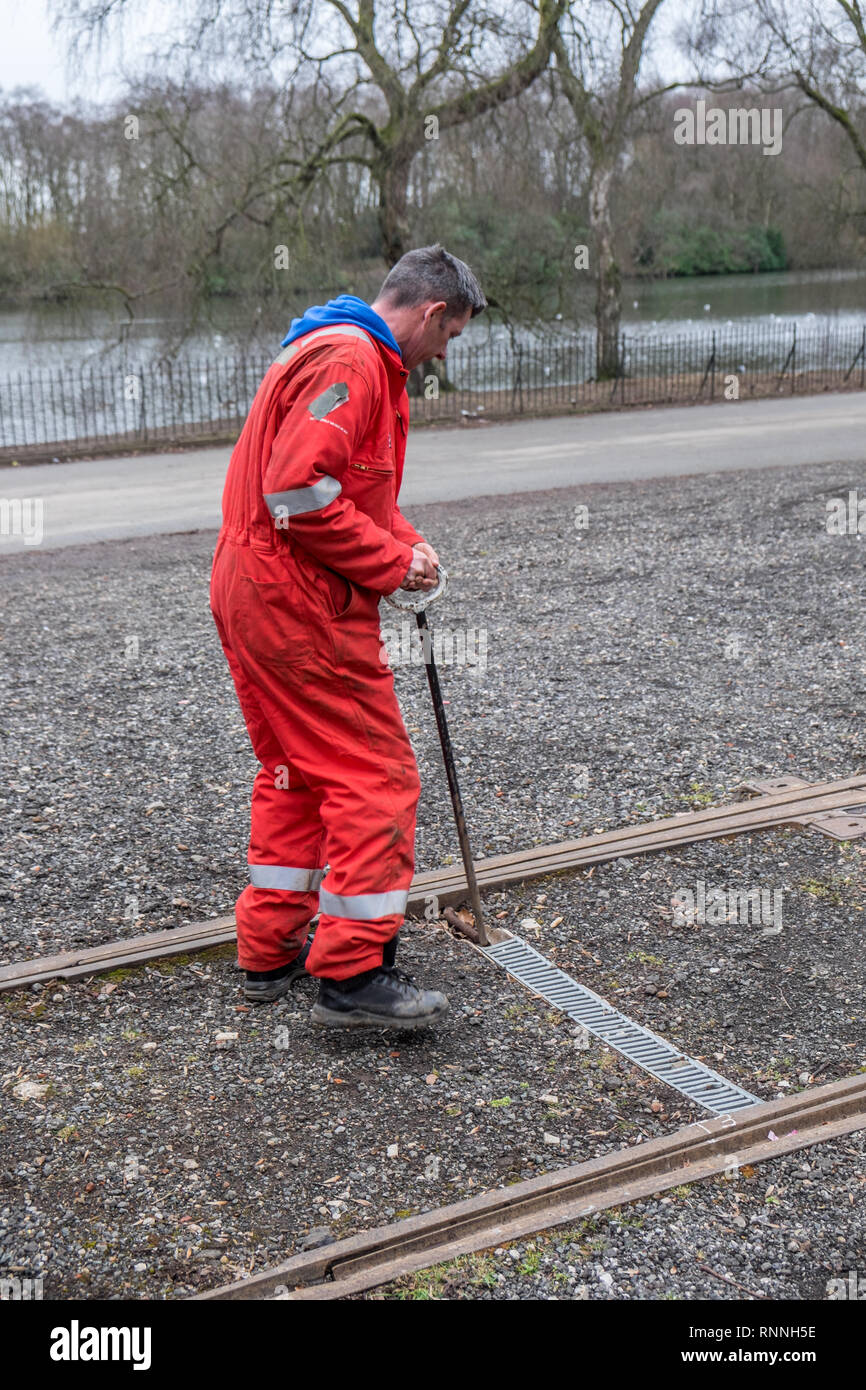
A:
x,y
710,371
517,388
142,417
790,358
794,361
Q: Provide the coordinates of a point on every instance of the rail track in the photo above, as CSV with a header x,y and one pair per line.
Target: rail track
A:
x,y
826,806
764,1131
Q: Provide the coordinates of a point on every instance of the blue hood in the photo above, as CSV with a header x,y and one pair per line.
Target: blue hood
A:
x,y
346,308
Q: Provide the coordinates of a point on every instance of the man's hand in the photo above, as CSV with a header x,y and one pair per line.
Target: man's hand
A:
x,y
422,571
428,550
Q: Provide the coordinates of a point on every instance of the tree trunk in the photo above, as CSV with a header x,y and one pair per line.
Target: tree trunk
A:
x,y
393,179
608,301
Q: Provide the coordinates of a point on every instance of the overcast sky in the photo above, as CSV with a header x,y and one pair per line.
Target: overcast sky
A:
x,y
29,55
32,55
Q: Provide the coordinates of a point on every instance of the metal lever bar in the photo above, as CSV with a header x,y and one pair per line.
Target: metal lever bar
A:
x,y
451,773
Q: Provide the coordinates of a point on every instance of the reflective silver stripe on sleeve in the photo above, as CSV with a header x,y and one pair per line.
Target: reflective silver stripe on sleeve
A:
x,y
363,907
283,876
329,400
303,499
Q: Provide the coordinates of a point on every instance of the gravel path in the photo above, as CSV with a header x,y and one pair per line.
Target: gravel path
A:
x,y
695,632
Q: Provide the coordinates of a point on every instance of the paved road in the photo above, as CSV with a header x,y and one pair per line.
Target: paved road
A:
x,y
111,498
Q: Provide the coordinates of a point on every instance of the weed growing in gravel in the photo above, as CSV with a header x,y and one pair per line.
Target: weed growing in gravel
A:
x,y
16,1003
631,1223
698,795
645,958
831,891
476,1271
575,1234
517,1010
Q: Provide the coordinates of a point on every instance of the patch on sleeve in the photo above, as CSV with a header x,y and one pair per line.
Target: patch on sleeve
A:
x,y
335,395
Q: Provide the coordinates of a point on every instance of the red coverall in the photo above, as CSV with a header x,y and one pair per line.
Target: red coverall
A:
x,y
311,537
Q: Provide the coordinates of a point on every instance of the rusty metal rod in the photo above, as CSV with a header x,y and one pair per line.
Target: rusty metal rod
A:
x,y
451,772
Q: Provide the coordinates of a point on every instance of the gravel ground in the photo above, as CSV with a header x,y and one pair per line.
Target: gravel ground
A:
x,y
695,632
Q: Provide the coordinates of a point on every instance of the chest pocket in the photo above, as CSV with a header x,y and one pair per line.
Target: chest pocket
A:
x,y
375,457
379,465
371,483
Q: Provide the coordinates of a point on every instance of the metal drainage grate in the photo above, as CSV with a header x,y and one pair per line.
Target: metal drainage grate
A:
x,y
656,1056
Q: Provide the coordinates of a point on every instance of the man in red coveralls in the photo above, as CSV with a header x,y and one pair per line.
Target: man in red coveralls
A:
x,y
311,538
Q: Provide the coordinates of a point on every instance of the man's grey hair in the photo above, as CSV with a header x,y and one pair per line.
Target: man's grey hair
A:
x,y
431,272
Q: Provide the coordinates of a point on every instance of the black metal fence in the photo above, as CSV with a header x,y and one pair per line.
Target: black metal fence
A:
x,y
76,410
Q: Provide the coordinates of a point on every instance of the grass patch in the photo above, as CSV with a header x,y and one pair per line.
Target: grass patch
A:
x,y
437,1282
698,795
818,888
645,958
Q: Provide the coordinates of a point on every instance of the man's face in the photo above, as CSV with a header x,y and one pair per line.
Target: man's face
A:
x,y
432,333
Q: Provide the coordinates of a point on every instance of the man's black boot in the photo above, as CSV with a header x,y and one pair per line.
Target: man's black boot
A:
x,y
381,998
263,986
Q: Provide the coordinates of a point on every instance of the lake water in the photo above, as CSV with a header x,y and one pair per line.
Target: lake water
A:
x,y
813,300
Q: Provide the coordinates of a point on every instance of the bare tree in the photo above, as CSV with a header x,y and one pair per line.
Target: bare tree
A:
x,y
403,72
603,94
817,47
822,46
436,47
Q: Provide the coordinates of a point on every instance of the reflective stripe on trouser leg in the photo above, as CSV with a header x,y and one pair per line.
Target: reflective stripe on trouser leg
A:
x,y
285,878
363,907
